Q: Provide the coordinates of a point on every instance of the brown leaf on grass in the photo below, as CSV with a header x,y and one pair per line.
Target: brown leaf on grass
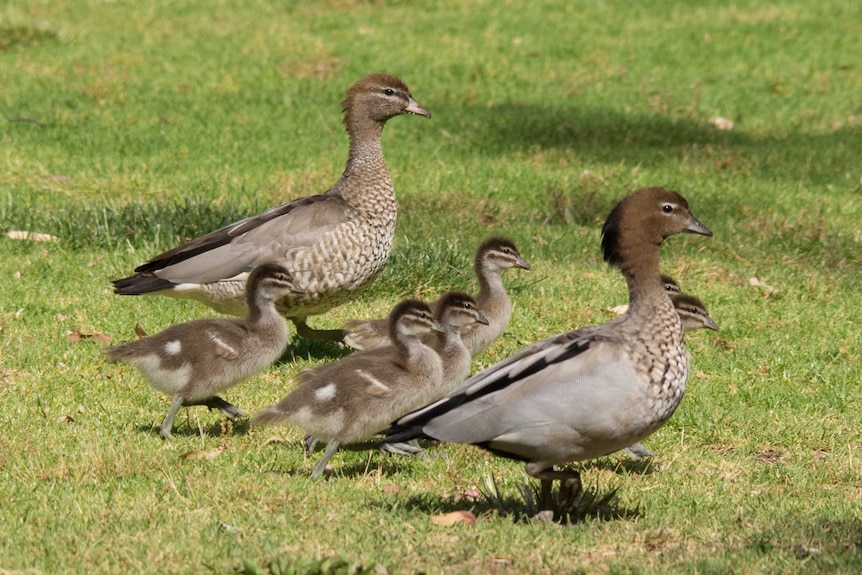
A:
x,y
65,419
276,439
31,236
391,489
207,455
79,335
139,331
453,518
768,290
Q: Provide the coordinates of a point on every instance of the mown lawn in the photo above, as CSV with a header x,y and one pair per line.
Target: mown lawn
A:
x,y
126,128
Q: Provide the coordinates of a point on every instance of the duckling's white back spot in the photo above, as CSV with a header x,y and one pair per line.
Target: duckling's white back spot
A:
x,y
173,347
325,393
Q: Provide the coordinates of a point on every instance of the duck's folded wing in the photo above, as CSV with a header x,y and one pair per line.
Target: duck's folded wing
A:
x,y
233,249
557,395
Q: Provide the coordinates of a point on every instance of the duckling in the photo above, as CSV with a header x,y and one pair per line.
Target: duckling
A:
x,y
693,315
585,393
350,399
458,313
196,360
493,256
334,244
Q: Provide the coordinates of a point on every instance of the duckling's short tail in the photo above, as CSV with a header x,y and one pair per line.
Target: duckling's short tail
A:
x,y
271,415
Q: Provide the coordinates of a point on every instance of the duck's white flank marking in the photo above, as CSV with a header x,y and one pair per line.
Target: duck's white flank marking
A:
x,y
325,393
372,380
219,342
173,347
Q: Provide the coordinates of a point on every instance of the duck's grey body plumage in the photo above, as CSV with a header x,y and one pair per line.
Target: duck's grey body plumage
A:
x,y
589,392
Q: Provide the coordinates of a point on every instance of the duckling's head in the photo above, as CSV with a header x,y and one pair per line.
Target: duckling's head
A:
x,y
379,97
670,285
692,312
499,253
455,310
645,218
271,281
411,319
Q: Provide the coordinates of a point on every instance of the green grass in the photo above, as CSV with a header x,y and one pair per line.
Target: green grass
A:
x,y
126,128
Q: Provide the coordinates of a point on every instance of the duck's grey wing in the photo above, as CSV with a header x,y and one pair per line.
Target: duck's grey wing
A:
x,y
557,400
235,248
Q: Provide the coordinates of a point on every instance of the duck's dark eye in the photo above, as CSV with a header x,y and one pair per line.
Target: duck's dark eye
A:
x,y
389,91
693,310
667,208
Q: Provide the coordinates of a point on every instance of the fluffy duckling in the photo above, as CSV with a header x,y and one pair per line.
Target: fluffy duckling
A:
x,y
334,244
458,313
589,392
348,400
196,360
493,256
693,315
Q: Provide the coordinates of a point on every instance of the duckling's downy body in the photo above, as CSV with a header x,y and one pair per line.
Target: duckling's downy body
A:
x,y
334,244
585,393
348,400
195,361
493,256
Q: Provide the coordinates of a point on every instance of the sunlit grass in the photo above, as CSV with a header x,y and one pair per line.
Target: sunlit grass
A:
x,y
127,128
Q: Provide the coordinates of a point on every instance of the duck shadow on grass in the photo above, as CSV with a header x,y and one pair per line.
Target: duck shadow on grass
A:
x,y
313,349
185,428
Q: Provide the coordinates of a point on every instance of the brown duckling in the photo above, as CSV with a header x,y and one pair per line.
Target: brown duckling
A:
x,y
196,360
348,400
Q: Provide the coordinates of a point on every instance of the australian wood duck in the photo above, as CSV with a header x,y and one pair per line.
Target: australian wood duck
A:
x,y
493,256
588,392
350,399
334,243
194,361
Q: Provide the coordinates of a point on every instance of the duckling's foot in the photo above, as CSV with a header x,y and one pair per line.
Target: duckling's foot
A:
x,y
409,448
228,409
331,448
165,432
638,451
308,443
303,330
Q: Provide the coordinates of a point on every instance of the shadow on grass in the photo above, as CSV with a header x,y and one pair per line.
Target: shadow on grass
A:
x,y
183,428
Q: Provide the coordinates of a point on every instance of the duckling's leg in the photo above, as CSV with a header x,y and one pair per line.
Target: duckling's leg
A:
x,y
638,451
411,447
168,423
303,330
331,448
308,443
215,402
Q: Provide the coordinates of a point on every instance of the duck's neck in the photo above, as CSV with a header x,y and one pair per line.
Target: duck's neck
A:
x,y
646,290
261,310
490,285
366,166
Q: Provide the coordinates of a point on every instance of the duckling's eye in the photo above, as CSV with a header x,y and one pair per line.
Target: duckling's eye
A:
x,y
667,208
693,310
389,91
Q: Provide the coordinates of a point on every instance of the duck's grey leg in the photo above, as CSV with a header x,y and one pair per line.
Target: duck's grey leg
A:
x,y
215,402
168,423
571,491
331,448
303,330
